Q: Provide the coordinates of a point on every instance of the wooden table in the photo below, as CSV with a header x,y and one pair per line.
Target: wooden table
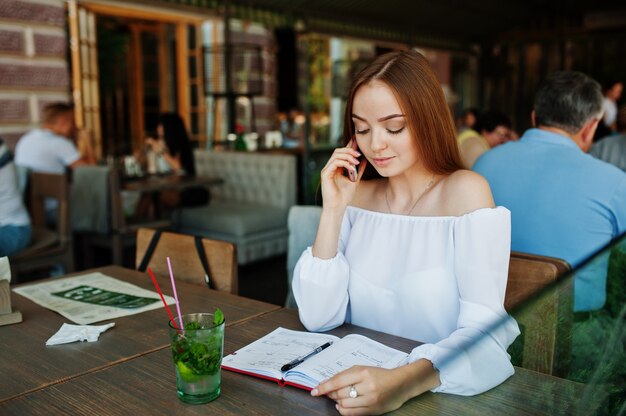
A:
x,y
156,183
27,364
146,385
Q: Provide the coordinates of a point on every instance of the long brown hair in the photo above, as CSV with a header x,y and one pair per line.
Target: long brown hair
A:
x,y
414,84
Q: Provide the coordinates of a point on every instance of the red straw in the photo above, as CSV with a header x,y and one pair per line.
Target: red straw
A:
x,y
167,308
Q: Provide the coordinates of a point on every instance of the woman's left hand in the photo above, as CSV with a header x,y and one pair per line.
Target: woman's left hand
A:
x,y
378,390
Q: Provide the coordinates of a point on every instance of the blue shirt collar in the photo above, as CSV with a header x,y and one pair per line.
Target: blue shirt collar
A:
x,y
548,137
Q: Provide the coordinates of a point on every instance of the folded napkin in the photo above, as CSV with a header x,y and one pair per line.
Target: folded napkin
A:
x,y
72,333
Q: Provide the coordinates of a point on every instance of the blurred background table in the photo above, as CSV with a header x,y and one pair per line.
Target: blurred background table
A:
x,y
157,183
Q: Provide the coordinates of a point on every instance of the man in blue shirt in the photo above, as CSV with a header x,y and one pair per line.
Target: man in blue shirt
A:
x,y
563,202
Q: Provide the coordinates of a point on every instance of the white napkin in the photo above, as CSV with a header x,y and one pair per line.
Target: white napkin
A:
x,y
72,333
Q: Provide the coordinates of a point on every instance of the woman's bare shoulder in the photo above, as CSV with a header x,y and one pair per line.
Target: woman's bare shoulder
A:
x,y
465,191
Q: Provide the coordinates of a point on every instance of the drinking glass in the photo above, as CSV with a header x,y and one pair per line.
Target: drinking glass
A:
x,y
197,351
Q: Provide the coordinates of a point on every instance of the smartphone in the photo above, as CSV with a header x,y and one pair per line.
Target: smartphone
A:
x,y
353,171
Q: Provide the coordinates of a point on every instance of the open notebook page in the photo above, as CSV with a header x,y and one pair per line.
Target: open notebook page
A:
x,y
350,351
268,354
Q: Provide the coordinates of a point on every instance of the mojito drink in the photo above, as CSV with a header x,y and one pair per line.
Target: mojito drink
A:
x,y
197,351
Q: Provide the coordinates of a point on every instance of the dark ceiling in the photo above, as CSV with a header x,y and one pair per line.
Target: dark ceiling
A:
x,y
456,20
448,23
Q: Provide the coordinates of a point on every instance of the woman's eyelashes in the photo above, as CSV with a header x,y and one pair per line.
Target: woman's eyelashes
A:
x,y
390,131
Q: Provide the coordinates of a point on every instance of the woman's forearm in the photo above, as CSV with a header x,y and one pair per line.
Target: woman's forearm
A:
x,y
327,238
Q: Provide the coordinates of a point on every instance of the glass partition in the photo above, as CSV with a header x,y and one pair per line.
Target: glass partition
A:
x,y
589,346
583,353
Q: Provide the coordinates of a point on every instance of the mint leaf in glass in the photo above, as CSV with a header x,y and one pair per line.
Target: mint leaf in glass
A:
x,y
193,325
218,317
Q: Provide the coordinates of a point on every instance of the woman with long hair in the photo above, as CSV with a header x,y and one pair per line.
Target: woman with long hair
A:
x,y
174,153
409,243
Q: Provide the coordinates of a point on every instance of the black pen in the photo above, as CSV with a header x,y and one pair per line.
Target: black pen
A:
x,y
300,360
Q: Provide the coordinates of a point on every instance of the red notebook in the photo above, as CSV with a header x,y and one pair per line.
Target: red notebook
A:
x,y
264,357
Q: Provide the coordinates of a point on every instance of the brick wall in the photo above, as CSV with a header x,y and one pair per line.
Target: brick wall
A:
x,y
33,66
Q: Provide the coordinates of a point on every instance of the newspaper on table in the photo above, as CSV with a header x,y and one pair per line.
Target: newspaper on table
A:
x,y
5,269
92,297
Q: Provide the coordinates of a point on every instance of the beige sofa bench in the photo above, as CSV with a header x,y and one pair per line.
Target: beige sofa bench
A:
x,y
250,208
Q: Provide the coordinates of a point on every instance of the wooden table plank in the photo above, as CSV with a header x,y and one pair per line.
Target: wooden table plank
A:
x,y
147,385
30,364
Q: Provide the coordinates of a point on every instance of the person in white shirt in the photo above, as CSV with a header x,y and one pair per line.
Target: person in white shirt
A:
x,y
51,148
612,94
413,246
15,227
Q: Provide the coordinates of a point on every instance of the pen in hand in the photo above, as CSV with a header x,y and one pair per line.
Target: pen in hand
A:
x,y
300,360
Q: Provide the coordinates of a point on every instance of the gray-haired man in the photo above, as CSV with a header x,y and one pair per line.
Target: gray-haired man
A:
x,y
564,203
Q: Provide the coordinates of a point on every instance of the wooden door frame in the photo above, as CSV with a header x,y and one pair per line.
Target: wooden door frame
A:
x,y
160,16
135,74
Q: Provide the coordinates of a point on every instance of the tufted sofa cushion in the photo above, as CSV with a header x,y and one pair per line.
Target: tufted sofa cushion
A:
x,y
235,218
250,208
254,178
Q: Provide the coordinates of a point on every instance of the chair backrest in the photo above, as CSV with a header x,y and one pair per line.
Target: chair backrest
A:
x,y
529,273
302,224
52,236
547,320
186,263
90,191
46,186
117,218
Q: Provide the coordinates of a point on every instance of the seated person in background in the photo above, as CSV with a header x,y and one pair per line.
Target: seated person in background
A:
x,y
613,149
172,146
15,228
491,129
51,149
612,94
564,203
413,247
608,125
511,136
292,128
173,151
468,119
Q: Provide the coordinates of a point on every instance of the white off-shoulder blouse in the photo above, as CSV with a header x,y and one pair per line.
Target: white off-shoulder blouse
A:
x,y
438,280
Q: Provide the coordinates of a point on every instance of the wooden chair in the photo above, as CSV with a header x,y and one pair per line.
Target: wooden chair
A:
x,y
545,317
51,245
186,264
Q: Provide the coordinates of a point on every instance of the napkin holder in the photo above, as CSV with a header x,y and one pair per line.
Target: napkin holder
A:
x,y
8,315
